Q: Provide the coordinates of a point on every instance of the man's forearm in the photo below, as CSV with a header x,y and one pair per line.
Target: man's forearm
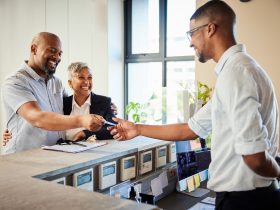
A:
x,y
53,121
270,168
263,164
32,113
171,132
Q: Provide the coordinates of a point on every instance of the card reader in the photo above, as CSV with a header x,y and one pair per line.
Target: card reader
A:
x,y
84,179
161,156
172,152
107,175
128,168
146,162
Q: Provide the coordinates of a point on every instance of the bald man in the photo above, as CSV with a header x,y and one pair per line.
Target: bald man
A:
x,y
33,99
242,116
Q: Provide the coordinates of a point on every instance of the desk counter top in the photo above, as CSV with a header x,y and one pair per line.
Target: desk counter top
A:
x,y
21,186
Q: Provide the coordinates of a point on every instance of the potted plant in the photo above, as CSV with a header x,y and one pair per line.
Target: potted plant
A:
x,y
203,92
145,112
203,96
135,108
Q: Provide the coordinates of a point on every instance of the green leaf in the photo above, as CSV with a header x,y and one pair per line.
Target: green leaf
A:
x,y
204,92
136,118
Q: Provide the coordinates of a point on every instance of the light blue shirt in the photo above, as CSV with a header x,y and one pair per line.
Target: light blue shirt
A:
x,y
243,117
22,87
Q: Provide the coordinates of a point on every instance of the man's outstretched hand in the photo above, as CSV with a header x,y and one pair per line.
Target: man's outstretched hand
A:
x,y
124,130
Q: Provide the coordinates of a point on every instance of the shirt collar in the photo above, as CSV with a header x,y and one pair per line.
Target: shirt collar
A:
x,y
88,102
227,54
31,72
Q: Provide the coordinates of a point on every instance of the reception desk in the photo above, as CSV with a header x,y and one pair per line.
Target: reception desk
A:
x,y
25,177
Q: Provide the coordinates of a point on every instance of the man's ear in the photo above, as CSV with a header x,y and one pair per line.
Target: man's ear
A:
x,y
212,29
34,49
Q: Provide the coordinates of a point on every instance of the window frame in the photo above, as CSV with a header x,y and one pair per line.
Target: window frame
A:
x,y
147,57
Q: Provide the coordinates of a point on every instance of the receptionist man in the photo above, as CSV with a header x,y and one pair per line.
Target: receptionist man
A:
x,y
242,116
33,99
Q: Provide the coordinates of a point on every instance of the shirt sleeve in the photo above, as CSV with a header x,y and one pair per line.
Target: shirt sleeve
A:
x,y
201,122
16,92
251,135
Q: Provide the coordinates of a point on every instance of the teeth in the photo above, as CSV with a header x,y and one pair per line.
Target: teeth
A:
x,y
52,63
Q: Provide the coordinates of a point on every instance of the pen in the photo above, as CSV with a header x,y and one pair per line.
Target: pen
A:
x,y
109,123
81,139
76,143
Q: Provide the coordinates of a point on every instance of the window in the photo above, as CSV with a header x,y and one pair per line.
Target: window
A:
x,y
158,60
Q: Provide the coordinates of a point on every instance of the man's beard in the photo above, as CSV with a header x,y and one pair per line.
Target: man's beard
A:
x,y
201,58
49,72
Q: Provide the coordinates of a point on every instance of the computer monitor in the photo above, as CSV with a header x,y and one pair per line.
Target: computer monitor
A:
x,y
192,164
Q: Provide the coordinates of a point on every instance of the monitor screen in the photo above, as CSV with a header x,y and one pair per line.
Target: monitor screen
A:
x,y
191,160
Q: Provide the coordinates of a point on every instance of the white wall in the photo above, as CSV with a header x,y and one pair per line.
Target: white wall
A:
x,y
115,55
91,31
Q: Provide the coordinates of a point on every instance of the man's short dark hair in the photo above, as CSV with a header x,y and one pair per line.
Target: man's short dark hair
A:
x,y
213,9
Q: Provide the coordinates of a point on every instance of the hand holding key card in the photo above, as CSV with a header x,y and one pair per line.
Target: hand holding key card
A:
x,y
109,123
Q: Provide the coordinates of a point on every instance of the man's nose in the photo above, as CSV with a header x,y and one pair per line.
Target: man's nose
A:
x,y
191,44
57,56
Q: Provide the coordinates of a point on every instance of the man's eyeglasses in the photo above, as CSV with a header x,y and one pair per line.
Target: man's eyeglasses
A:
x,y
190,32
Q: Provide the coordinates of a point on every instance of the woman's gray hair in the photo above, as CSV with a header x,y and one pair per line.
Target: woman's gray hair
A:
x,y
76,68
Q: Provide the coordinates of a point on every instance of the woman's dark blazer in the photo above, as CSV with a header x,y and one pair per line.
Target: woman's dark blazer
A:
x,y
100,105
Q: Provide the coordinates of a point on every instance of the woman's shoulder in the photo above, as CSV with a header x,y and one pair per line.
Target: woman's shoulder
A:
x,y
100,98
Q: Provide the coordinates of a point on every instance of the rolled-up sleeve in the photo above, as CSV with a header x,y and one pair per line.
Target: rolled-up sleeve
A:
x,y
201,122
251,134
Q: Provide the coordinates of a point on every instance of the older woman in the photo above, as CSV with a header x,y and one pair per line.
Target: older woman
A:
x,y
84,101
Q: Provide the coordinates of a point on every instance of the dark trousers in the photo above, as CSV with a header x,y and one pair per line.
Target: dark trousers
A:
x,y
266,198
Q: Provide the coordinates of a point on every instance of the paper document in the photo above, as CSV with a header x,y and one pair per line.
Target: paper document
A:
x,y
156,186
72,148
202,206
209,200
163,178
190,183
196,180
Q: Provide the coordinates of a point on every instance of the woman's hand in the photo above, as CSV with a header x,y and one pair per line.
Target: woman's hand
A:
x,y
6,136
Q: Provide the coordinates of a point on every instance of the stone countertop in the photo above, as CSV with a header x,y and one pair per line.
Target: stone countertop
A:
x,y
20,190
